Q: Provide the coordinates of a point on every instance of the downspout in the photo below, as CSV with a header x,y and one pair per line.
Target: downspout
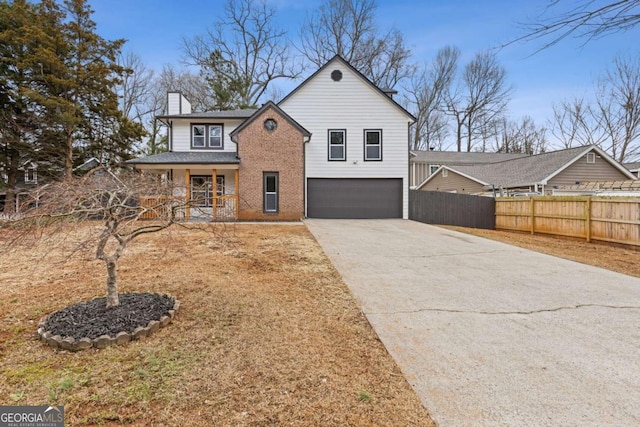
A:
x,y
406,185
170,144
304,174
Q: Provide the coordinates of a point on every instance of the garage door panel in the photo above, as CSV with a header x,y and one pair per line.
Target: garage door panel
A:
x,y
354,198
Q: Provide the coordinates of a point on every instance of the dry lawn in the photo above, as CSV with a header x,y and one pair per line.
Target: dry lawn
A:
x,y
268,335
621,258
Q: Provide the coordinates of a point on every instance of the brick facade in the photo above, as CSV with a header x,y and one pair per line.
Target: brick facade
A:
x,y
281,151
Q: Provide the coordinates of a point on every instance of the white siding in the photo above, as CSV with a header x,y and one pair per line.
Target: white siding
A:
x,y
182,133
177,104
173,103
351,104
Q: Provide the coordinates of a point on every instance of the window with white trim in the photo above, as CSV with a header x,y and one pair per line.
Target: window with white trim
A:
x,y
591,157
373,145
31,176
433,169
215,136
337,144
207,136
270,183
198,136
445,173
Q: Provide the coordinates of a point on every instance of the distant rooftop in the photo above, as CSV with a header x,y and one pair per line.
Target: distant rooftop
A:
x,y
456,157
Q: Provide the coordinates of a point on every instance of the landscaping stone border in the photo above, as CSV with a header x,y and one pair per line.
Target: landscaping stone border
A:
x,y
104,341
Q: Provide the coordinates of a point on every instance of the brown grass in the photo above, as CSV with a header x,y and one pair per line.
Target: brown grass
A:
x,y
267,335
624,259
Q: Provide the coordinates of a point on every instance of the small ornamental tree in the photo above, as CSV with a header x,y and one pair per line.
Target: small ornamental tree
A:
x,y
122,206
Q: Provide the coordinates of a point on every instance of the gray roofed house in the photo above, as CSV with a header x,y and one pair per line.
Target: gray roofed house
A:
x,y
424,163
541,172
457,157
634,167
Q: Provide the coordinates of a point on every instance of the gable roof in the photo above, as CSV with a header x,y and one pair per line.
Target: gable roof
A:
x,y
529,170
344,62
635,166
265,107
457,157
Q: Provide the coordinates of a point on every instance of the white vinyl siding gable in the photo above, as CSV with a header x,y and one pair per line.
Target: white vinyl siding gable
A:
x,y
354,105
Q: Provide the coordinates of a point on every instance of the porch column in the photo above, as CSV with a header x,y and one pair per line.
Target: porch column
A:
x,y
214,194
237,191
187,187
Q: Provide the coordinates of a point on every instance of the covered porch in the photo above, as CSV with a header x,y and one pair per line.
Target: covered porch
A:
x,y
208,191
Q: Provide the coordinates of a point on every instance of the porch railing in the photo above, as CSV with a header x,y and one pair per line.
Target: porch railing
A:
x,y
223,208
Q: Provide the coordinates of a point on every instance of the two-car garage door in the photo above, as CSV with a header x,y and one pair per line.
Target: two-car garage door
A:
x,y
354,198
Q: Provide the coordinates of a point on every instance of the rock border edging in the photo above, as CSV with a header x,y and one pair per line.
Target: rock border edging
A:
x,y
104,341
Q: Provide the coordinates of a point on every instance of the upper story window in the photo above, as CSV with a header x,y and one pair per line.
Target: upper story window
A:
x,y
373,145
31,175
591,157
433,169
206,136
338,144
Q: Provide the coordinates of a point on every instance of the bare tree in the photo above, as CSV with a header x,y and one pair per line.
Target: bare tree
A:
x,y
193,86
586,19
481,96
424,96
519,137
618,108
242,54
348,28
134,88
574,124
112,205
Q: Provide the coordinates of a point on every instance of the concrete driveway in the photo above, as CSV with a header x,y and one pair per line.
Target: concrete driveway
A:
x,y
490,334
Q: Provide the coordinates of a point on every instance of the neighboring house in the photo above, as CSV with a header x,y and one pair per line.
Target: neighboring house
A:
x,y
634,168
26,179
87,166
425,163
539,173
335,147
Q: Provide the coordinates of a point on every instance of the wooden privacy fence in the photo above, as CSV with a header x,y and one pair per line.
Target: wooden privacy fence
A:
x,y
609,219
462,210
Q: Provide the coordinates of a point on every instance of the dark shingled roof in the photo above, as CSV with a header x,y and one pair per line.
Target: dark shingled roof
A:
x,y
456,157
203,157
632,166
227,114
523,171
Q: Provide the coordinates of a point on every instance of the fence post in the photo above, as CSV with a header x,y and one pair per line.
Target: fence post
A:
x,y
588,224
532,213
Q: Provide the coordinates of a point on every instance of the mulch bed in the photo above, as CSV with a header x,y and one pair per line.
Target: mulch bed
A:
x,y
91,319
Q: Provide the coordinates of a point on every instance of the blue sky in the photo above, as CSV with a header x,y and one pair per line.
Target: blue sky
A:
x,y
155,30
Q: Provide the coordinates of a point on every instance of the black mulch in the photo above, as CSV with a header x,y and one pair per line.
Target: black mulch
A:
x,y
92,319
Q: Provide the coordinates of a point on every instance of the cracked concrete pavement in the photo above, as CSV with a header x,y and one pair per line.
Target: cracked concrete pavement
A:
x,y
490,334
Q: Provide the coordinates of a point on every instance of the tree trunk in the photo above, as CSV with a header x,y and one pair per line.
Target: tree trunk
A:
x,y
12,180
459,135
112,286
68,158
